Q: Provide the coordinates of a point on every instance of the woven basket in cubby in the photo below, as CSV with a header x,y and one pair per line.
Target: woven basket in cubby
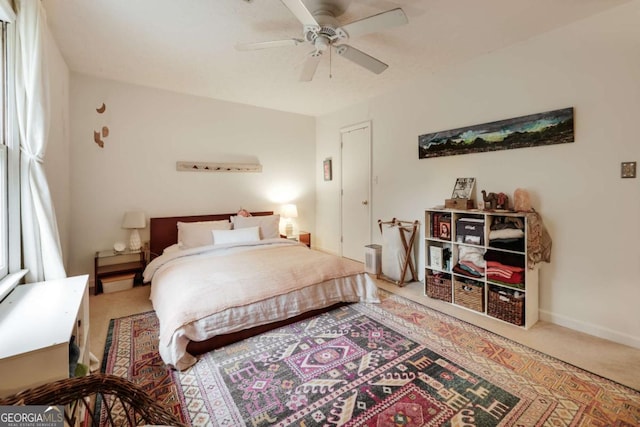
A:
x,y
505,305
469,294
439,287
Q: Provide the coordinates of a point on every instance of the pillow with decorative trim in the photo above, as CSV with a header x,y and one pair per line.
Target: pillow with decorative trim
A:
x,y
239,235
269,224
244,212
194,234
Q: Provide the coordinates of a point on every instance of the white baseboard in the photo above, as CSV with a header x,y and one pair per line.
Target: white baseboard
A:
x,y
590,328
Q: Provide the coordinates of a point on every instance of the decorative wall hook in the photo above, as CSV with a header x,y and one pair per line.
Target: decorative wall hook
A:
x,y
104,132
96,138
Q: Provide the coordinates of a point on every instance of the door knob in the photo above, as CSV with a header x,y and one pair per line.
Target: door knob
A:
x,y
365,202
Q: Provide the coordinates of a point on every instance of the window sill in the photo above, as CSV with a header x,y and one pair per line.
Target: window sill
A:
x,y
9,282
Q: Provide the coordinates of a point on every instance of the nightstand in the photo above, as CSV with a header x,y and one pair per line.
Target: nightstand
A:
x,y
302,237
111,263
305,237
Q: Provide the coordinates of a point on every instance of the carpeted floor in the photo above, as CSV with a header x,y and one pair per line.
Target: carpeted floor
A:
x,y
395,363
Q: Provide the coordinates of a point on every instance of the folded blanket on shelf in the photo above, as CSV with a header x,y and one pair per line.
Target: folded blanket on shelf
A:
x,y
504,273
459,269
505,258
512,279
471,254
474,269
506,233
500,223
516,245
509,268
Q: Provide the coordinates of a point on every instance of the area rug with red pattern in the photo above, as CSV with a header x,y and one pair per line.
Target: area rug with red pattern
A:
x,y
396,363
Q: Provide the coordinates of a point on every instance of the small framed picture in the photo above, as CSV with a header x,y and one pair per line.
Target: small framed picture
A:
x,y
445,231
327,169
463,188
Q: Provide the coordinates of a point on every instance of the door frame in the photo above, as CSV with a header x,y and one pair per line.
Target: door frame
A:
x,y
344,130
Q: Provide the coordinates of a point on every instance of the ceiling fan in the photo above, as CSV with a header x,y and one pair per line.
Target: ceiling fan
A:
x,y
321,28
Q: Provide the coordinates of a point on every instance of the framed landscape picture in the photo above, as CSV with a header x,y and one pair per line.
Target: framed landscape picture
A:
x,y
548,128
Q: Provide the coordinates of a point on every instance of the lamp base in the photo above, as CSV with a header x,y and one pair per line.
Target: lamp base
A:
x,y
288,229
134,241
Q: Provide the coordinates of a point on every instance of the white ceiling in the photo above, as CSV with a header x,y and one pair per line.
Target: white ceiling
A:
x,y
187,46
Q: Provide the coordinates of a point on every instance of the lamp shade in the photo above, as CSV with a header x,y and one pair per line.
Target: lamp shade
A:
x,y
289,211
134,220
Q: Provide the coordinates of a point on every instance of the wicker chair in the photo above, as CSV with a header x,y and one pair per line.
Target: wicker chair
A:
x,y
126,403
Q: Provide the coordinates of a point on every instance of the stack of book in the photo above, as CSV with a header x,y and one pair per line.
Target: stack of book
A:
x,y
441,225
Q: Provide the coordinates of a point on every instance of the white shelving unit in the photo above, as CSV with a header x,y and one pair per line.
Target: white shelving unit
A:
x,y
37,322
488,296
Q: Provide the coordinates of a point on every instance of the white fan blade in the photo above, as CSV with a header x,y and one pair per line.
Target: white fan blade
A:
x,y
301,12
269,44
310,66
391,18
361,58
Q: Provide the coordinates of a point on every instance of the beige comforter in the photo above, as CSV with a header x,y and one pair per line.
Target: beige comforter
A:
x,y
192,286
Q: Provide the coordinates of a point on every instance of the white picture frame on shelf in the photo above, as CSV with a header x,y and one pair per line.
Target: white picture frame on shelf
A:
x,y
436,257
463,188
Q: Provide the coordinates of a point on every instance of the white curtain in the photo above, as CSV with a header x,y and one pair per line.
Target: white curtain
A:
x,y
42,253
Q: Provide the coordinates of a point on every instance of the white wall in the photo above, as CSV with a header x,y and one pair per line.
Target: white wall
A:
x,y
593,216
150,130
57,159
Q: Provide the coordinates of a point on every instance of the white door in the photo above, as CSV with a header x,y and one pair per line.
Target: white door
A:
x,y
356,191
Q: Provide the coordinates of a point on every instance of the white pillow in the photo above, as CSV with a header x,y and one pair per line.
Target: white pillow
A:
x,y
269,224
171,249
194,234
242,235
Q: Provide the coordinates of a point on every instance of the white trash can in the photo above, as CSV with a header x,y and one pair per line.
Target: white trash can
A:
x,y
373,259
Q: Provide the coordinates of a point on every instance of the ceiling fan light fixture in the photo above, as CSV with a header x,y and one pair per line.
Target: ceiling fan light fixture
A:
x,y
322,43
321,29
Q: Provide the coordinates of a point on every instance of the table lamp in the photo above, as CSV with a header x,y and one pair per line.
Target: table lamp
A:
x,y
288,212
133,221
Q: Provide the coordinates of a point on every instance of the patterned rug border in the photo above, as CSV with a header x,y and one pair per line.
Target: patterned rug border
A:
x,y
508,340
109,340
107,347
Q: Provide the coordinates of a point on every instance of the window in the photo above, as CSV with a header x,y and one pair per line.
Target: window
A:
x,y
10,251
4,164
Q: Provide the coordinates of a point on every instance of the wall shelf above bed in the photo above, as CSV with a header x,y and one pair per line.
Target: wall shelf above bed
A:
x,y
182,166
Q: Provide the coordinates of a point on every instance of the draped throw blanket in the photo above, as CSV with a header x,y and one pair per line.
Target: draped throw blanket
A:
x,y
539,242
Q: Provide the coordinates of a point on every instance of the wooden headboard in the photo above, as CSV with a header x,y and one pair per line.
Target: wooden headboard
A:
x,y
164,231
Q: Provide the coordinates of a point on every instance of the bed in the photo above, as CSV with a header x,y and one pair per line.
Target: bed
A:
x,y
217,279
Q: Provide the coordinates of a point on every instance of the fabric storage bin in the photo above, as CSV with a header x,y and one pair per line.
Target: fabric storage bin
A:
x,y
505,304
468,293
439,287
470,230
117,283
